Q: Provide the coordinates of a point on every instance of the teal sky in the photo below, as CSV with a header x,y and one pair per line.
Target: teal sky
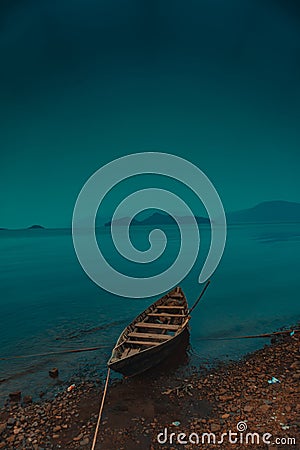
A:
x,y
84,82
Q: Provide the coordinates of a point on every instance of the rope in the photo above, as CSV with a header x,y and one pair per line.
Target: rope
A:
x,y
89,349
200,296
241,337
266,335
101,409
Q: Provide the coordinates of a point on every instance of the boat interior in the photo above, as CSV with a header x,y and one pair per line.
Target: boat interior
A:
x,y
159,323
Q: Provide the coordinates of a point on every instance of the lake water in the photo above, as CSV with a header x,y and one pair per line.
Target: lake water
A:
x,y
48,303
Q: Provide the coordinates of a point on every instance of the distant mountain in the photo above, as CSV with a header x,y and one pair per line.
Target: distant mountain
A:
x,y
164,219
35,227
158,219
267,212
32,227
122,221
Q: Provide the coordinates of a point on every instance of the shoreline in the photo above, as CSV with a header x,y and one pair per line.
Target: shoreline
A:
x,y
137,410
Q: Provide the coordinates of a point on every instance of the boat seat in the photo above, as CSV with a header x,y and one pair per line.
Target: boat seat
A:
x,y
162,326
129,352
165,315
169,307
162,337
147,343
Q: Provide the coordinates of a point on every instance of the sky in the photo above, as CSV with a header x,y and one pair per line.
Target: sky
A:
x,y
83,82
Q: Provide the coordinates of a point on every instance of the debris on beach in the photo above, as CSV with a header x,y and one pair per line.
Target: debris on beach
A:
x,y
176,423
273,380
71,387
180,390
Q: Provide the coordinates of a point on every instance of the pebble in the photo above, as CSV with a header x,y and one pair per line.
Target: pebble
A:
x,y
27,399
53,373
248,408
215,427
11,421
264,408
77,438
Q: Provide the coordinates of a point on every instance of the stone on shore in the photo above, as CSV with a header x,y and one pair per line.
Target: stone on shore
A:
x,y
15,396
53,373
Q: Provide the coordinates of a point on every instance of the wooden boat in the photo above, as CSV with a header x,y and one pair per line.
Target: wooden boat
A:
x,y
152,336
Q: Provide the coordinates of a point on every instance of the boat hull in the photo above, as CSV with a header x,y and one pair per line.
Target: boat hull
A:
x,y
152,357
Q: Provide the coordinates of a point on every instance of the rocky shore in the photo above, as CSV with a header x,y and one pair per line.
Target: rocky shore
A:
x,y
258,396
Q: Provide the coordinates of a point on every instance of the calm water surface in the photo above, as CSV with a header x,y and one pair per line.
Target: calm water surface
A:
x,y
48,303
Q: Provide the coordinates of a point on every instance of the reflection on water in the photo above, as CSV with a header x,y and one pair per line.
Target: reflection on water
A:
x,y
278,236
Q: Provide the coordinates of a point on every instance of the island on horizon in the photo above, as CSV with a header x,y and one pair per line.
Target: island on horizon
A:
x,y
275,211
35,227
32,227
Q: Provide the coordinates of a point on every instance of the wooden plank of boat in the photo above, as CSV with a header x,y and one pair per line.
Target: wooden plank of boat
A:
x,y
165,315
147,343
130,351
170,307
162,337
157,325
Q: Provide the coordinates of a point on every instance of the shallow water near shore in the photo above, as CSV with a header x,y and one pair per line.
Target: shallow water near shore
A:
x,y
49,304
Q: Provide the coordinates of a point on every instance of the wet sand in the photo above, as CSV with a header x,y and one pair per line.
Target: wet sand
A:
x,y
137,410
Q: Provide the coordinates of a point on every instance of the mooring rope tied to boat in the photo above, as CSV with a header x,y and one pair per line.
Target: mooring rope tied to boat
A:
x,y
265,335
58,352
91,349
101,409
